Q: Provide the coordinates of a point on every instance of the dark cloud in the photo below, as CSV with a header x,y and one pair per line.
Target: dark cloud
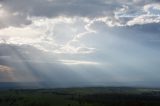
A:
x,y
70,8
57,8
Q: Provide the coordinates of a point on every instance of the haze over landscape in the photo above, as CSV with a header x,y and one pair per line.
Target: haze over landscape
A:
x,y
79,43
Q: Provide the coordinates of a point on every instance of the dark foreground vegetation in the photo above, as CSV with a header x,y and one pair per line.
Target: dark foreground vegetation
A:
x,y
81,97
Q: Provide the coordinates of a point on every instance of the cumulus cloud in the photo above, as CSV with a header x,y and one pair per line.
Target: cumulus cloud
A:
x,y
54,35
59,26
133,15
143,19
151,14
17,12
58,35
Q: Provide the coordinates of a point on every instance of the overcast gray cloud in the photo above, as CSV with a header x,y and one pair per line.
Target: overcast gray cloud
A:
x,y
123,11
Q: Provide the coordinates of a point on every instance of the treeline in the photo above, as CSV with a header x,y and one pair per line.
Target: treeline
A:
x,y
114,99
68,98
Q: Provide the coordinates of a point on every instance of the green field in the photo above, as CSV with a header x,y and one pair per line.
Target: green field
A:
x,y
109,96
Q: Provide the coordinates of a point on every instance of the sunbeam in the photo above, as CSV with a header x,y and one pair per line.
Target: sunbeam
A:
x,y
54,43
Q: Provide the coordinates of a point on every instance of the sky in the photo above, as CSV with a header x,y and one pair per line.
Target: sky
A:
x,y
65,43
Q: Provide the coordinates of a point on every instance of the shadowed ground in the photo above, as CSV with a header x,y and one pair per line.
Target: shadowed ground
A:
x,y
109,96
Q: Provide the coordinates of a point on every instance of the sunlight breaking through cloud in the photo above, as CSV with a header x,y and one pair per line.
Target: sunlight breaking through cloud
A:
x,y
46,39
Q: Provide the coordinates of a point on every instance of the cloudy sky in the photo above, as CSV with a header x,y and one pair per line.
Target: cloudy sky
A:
x,y
80,42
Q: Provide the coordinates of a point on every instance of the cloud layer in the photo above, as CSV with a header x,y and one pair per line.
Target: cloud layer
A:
x,y
17,12
116,40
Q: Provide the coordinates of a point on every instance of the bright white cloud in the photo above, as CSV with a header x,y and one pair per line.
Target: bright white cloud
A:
x,y
151,15
55,35
152,8
78,62
143,19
